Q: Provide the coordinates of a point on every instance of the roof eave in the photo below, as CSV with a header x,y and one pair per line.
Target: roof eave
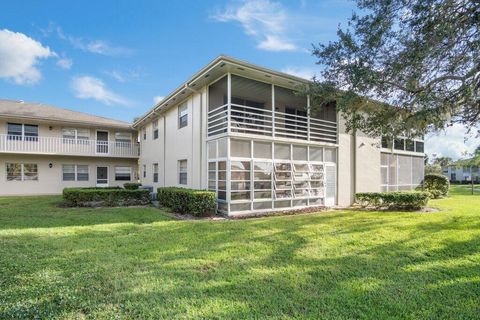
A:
x,y
217,61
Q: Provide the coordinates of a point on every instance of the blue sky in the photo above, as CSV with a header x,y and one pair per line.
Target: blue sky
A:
x,y
114,58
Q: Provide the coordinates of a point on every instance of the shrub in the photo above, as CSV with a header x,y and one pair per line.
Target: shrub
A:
x,y
132,185
182,200
394,200
108,197
437,185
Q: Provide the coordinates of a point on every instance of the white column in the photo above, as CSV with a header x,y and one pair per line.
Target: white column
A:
x,y
273,110
308,117
229,101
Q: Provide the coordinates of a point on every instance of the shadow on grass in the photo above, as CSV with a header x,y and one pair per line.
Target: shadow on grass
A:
x,y
333,265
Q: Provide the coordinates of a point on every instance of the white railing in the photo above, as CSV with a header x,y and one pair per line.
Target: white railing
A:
x,y
244,119
65,146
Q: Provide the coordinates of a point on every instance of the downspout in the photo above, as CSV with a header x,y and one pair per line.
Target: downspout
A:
x,y
201,140
201,130
164,149
354,173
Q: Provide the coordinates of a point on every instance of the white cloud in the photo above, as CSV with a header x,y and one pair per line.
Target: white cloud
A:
x,y
123,76
19,57
86,87
265,20
301,72
101,47
454,142
157,99
116,75
65,63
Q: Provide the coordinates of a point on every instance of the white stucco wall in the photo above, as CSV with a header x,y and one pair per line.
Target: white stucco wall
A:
x,y
50,179
174,144
360,172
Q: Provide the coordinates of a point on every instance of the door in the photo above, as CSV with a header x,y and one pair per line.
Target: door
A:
x,y
102,141
330,184
102,176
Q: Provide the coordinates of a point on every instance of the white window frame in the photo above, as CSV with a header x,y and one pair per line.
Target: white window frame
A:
x,y
75,172
183,108
115,173
125,133
76,139
155,172
24,137
22,172
180,172
155,129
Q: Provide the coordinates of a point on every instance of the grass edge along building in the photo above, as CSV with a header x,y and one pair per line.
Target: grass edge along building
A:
x,y
239,130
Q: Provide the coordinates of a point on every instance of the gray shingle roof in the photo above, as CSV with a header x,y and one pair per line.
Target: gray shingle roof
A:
x,y
38,111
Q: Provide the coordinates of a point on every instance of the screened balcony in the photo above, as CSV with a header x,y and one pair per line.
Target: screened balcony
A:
x,y
245,106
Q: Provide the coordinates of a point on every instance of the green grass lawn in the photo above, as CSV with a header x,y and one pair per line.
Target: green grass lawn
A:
x,y
139,263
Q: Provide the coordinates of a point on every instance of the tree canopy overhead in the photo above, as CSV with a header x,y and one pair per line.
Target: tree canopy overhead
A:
x,y
421,57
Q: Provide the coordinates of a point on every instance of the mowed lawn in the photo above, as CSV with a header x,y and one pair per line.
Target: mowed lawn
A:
x,y
138,263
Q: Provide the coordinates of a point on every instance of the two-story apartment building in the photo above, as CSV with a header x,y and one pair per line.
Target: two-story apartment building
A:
x,y
242,131
44,149
458,173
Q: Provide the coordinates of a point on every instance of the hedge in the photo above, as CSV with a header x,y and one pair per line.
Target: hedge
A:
x,y
394,200
132,185
105,197
183,200
437,185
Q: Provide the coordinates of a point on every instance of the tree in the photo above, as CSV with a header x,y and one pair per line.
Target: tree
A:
x,y
404,67
433,169
443,161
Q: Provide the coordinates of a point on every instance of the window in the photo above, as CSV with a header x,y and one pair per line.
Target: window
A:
x,y
240,180
282,151
75,135
155,129
30,132
123,139
22,172
401,172
183,115
316,154
419,146
399,144
240,148
68,172
123,173
182,172
26,132
144,170
409,145
144,133
155,172
82,173
330,155
262,150
386,143
72,172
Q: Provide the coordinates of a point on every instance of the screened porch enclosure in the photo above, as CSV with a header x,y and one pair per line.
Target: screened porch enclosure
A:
x,y
246,106
251,175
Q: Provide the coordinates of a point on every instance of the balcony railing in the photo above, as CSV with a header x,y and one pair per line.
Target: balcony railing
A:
x,y
249,120
65,146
